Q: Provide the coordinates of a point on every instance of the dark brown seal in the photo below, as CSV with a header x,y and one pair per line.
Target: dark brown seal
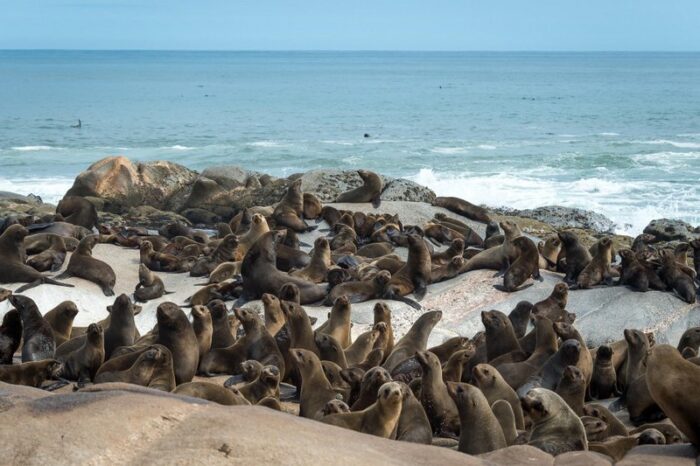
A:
x,y
32,374
78,211
526,265
50,259
415,275
82,364
416,339
463,208
61,320
37,335
577,256
150,285
435,398
289,211
10,335
598,269
480,431
83,265
175,333
557,429
316,390
370,191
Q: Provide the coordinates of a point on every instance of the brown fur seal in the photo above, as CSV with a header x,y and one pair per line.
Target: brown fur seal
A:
x,y
227,396
338,324
257,344
267,384
526,265
36,244
567,331
224,271
316,390
416,339
222,336
671,381
78,211
50,259
439,406
463,208
597,271
363,345
413,425
604,379
370,191
32,374
382,313
415,275
83,363
203,329
572,389
675,278
158,261
504,414
289,211
614,425
83,265
312,206
442,258
554,306
37,335
10,335
495,388
480,431
175,333
577,256
495,257
320,262
557,429
150,285
550,250
12,258
380,419
60,318
369,386
149,367
375,250
360,291
260,273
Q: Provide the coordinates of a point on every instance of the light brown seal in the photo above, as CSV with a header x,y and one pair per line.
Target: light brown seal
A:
x,y
83,265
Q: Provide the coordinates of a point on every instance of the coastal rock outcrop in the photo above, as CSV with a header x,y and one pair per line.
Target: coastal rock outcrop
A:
x,y
122,183
665,229
566,217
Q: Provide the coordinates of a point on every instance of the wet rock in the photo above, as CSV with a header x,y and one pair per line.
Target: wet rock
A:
x,y
566,217
405,190
665,229
124,184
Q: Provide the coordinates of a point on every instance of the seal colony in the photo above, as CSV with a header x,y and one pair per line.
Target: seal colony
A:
x,y
528,378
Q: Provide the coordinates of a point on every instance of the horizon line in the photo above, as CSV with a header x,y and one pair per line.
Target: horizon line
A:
x,y
339,50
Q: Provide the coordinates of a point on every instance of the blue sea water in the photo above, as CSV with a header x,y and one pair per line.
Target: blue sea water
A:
x,y
618,133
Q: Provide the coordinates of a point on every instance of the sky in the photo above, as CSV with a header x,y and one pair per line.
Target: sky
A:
x,y
498,25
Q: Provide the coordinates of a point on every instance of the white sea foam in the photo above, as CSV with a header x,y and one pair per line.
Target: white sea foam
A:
x,y
339,143
33,148
50,190
486,147
179,147
679,144
267,144
630,204
449,150
609,134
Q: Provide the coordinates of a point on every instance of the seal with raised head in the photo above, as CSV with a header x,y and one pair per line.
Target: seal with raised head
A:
x,y
260,273
203,329
435,398
413,425
557,429
83,265
495,388
316,390
379,419
480,431
598,269
12,258
370,191
150,285
83,363
526,265
289,211
175,333
78,211
676,278
604,379
50,259
416,339
319,264
61,320
415,275
10,335
37,334
554,306
577,256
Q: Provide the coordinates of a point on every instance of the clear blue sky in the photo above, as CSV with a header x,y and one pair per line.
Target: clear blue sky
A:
x,y
352,24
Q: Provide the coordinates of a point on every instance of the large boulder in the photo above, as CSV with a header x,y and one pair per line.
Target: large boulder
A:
x,y
566,217
13,204
665,229
122,183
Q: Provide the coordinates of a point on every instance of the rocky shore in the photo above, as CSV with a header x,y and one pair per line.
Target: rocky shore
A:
x,y
180,430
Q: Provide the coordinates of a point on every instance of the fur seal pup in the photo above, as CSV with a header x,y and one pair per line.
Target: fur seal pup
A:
x,y
577,256
364,290
637,275
316,390
312,206
60,318
567,331
435,398
227,396
37,334
520,316
557,429
598,269
614,425
379,419
260,273
175,333
413,425
51,259
150,367
82,364
363,344
494,258
572,389
223,272
416,339
370,191
526,265
150,286
10,335
551,372
382,313
290,209
371,381
36,244
267,384
319,264
78,211
550,250
83,265
223,334
415,275
463,208
604,379
495,388
338,324
677,280
442,258
12,258
554,306
203,329
480,431
671,381
32,374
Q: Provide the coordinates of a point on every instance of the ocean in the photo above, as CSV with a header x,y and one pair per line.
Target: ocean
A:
x,y
618,133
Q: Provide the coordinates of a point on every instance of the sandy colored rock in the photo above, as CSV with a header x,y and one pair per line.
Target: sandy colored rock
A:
x,y
661,455
519,455
582,458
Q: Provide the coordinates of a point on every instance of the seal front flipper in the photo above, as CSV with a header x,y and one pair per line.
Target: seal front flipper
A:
x,y
377,201
233,380
409,301
288,392
420,290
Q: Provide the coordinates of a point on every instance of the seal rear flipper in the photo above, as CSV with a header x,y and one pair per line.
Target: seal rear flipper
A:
x,y
168,292
305,245
39,226
64,275
233,380
288,392
56,385
434,241
377,201
420,291
409,301
108,291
